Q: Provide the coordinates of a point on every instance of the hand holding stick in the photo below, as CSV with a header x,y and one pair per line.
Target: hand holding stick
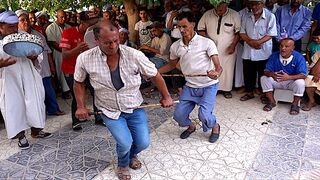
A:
x,y
151,105
95,113
181,75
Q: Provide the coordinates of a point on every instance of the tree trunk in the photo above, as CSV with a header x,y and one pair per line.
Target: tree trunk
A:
x,y
132,13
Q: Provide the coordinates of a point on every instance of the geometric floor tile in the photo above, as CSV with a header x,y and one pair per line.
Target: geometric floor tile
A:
x,y
286,147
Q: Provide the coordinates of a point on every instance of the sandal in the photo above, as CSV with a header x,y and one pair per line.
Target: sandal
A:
x,y
264,99
58,113
135,163
294,110
123,173
308,106
246,97
269,106
227,95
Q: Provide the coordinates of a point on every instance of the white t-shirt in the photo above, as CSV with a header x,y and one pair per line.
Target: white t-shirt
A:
x,y
163,44
89,38
285,61
195,59
144,34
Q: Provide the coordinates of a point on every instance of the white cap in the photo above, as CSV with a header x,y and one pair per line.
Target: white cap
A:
x,y
21,12
8,17
124,30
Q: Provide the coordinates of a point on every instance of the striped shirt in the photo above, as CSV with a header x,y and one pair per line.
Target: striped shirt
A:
x,y
132,65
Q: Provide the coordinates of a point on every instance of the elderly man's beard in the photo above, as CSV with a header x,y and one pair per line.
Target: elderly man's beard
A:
x,y
295,4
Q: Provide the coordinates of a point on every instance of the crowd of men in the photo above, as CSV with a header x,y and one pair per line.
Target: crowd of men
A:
x,y
216,49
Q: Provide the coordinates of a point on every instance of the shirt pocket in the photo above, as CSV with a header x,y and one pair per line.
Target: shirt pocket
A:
x,y
130,75
228,27
262,30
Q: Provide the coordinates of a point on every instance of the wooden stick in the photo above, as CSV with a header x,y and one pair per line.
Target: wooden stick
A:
x,y
95,113
151,105
181,75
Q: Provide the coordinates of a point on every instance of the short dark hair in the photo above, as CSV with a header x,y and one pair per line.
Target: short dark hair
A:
x,y
316,32
188,15
103,24
142,9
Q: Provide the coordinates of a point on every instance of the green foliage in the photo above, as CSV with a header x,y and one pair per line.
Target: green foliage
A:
x,y
217,2
12,4
51,6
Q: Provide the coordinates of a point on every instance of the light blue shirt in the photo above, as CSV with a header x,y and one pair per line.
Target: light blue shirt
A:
x,y
265,25
296,25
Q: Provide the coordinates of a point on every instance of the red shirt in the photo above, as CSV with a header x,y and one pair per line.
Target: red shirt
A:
x,y
71,37
39,29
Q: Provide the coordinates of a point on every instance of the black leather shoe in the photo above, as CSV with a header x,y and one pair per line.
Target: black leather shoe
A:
x,y
99,123
77,127
215,136
185,134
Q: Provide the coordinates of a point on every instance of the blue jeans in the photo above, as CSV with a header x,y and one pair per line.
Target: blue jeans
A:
x,y
205,98
131,133
50,96
158,61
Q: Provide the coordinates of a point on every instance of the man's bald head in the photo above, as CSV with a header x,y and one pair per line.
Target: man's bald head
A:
x,y
107,37
286,47
61,17
105,27
60,11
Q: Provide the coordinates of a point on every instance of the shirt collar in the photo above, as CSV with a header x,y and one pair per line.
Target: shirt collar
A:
x,y
263,15
193,39
289,7
214,12
121,50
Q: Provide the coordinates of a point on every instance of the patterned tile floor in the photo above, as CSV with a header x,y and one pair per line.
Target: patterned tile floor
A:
x,y
285,148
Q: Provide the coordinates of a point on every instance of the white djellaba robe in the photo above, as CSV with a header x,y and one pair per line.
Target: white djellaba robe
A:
x,y
21,96
230,24
54,32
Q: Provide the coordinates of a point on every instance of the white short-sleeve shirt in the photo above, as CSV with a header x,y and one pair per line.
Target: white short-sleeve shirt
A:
x,y
195,59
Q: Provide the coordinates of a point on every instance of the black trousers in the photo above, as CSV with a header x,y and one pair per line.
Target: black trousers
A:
x,y
70,82
250,71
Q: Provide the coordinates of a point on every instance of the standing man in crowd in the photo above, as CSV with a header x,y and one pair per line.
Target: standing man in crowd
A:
x,y
257,30
197,55
54,32
21,90
286,69
222,25
115,73
142,33
72,44
293,21
315,18
33,21
46,65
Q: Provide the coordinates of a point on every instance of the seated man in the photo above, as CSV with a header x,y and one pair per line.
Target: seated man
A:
x,y
124,38
160,45
285,69
312,81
